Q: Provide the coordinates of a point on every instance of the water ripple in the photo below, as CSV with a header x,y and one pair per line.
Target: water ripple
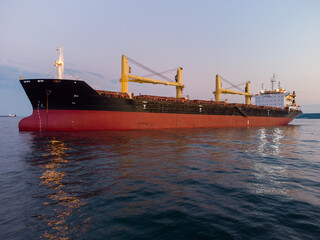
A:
x,y
251,183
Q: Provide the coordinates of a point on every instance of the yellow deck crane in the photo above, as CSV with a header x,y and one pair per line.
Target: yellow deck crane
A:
x,y
220,91
126,77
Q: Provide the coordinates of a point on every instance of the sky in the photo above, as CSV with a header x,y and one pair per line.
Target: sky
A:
x,y
245,40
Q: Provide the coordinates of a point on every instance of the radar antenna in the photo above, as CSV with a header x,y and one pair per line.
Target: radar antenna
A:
x,y
273,80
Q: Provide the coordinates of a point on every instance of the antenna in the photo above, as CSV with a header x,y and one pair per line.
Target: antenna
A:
x,y
273,80
60,63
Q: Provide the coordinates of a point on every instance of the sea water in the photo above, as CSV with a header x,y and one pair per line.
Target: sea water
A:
x,y
245,183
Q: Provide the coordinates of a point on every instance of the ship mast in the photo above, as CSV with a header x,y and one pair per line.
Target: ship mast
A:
x,y
59,63
273,80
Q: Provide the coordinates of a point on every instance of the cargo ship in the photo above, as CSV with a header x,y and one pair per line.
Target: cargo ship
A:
x,y
72,105
10,115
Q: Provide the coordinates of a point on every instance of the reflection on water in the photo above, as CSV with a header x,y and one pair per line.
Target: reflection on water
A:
x,y
273,153
269,143
277,141
187,184
61,204
107,181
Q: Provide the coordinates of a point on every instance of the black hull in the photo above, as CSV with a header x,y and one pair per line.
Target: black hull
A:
x,y
55,94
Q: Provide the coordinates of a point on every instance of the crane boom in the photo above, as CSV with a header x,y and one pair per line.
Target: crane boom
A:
x,y
220,90
126,77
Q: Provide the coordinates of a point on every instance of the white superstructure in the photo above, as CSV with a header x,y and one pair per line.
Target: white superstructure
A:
x,y
272,98
276,98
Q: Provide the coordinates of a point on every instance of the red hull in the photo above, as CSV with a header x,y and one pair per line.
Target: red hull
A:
x,y
82,120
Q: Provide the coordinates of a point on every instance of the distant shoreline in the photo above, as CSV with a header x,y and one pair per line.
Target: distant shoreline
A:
x,y
309,116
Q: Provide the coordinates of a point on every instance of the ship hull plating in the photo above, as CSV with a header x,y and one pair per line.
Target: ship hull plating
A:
x,y
72,105
82,120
